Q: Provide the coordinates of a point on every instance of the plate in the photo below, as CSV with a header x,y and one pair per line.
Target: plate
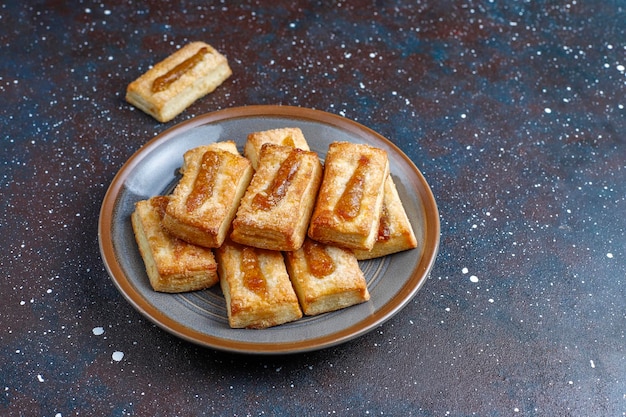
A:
x,y
200,317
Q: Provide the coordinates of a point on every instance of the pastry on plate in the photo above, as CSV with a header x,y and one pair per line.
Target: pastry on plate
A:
x,y
256,287
172,265
348,206
274,212
325,278
173,84
287,136
395,233
206,198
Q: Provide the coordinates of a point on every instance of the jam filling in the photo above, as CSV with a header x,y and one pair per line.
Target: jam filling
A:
x,y
205,181
318,260
384,227
280,183
349,204
164,81
252,275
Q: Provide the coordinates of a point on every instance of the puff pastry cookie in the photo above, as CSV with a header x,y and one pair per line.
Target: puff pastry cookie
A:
x,y
256,287
287,136
206,198
274,212
325,278
175,83
395,233
172,265
349,202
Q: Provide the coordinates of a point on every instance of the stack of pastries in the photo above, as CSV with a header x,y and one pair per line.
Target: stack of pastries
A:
x,y
281,233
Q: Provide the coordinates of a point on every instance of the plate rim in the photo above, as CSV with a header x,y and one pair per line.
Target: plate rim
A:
x,y
416,280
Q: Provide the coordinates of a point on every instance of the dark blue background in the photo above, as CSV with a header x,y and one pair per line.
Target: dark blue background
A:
x,y
513,111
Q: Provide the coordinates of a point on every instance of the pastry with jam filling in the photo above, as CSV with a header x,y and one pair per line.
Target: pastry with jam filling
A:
x,y
205,201
256,287
173,84
325,278
274,212
172,264
349,202
286,136
395,233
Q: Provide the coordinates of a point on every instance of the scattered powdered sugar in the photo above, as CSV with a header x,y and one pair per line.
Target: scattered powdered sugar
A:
x,y
117,356
98,331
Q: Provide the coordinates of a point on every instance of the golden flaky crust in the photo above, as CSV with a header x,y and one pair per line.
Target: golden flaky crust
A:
x,y
175,83
274,212
287,136
172,265
256,287
395,233
206,198
348,206
325,278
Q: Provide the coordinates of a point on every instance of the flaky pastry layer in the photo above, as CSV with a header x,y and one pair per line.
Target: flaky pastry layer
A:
x,y
172,265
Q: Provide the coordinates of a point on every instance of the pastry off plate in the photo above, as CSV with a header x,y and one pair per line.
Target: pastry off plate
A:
x,y
200,317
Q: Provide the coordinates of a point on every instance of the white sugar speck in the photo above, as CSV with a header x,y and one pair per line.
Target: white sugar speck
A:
x,y
97,331
40,378
474,278
117,356
465,270
593,365
548,110
609,255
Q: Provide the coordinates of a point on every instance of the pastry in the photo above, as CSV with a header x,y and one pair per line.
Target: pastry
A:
x,y
204,202
395,233
274,212
287,136
256,287
325,278
349,202
173,84
172,265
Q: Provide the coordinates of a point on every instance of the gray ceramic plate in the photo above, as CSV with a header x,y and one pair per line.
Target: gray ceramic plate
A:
x,y
200,317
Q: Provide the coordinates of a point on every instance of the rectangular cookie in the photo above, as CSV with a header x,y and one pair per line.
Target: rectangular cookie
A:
x,y
395,233
274,212
287,136
205,201
347,211
173,84
256,287
325,278
172,265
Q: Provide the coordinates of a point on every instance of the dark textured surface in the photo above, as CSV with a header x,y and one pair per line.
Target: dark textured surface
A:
x,y
514,112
